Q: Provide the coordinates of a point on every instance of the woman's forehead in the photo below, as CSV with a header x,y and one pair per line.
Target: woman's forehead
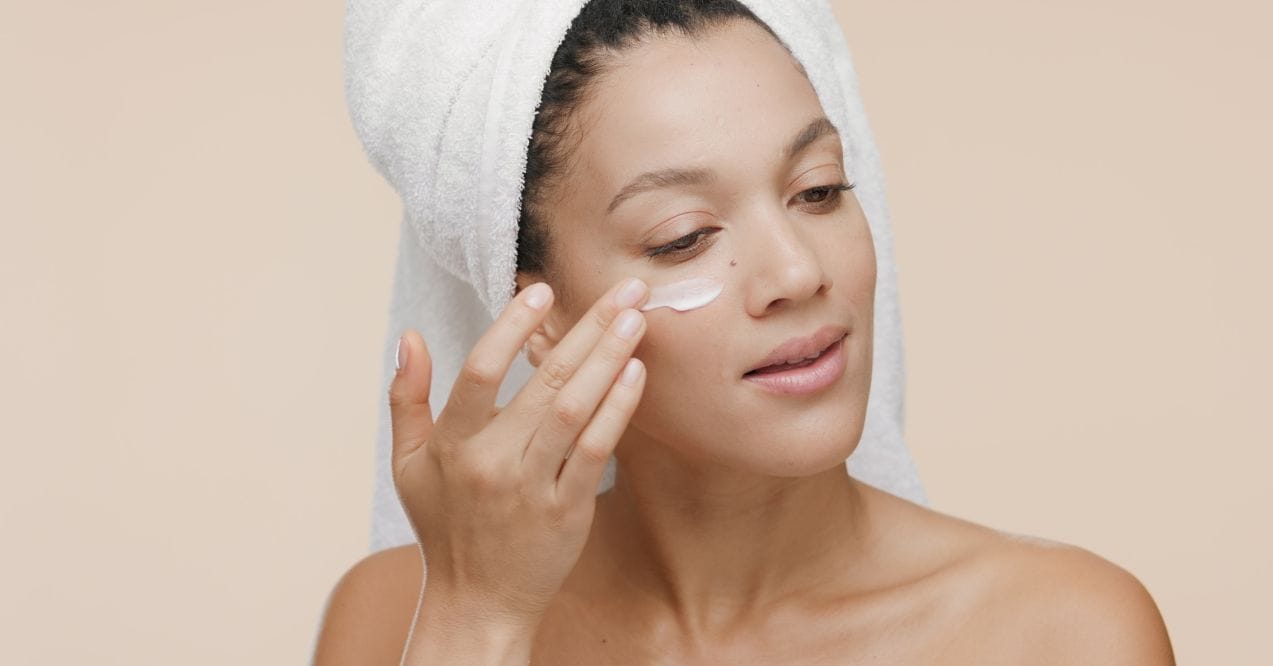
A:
x,y
731,96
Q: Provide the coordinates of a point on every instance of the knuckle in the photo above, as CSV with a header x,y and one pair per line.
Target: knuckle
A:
x,y
556,513
568,413
601,319
555,372
616,352
536,497
397,398
477,374
591,452
482,474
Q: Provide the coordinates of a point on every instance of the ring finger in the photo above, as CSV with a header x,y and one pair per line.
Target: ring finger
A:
x,y
576,403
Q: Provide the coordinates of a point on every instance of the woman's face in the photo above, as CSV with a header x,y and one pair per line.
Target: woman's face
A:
x,y
729,103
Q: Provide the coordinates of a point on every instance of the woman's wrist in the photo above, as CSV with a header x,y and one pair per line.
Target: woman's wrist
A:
x,y
446,632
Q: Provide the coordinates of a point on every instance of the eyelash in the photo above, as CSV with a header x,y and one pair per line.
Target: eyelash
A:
x,y
678,248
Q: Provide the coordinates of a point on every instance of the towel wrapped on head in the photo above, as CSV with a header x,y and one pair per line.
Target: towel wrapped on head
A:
x,y
443,96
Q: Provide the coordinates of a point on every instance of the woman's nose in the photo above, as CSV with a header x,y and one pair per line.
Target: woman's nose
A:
x,y
785,266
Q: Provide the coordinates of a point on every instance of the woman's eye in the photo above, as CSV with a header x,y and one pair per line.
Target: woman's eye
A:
x,y
684,245
827,195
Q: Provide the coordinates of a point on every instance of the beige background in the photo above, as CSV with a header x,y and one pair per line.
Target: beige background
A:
x,y
196,261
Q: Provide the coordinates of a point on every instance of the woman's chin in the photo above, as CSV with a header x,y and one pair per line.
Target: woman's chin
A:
x,y
800,455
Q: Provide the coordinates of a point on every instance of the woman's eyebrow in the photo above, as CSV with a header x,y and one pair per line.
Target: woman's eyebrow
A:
x,y
670,177
816,129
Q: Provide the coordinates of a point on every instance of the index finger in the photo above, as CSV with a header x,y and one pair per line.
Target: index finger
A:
x,y
472,398
576,346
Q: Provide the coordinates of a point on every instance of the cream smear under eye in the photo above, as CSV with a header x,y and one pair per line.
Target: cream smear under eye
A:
x,y
684,295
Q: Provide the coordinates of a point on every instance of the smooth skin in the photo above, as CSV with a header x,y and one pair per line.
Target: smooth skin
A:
x,y
733,533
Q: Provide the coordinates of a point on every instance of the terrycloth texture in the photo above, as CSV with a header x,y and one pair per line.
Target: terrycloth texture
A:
x,y
443,96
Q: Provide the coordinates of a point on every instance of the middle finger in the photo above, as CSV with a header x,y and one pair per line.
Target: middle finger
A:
x,y
534,399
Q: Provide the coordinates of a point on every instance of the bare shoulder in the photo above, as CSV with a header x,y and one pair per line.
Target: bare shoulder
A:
x,y
1072,606
370,610
1014,598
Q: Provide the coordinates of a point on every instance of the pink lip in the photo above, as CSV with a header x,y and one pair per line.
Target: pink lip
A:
x,y
809,379
802,347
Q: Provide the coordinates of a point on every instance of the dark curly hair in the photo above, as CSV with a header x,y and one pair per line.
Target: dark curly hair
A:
x,y
602,29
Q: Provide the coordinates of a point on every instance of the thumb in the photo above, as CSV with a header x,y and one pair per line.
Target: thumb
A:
x,y
409,410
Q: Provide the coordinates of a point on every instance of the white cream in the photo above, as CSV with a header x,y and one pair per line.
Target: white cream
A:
x,y
684,295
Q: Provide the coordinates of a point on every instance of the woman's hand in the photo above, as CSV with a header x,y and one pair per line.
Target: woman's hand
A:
x,y
502,500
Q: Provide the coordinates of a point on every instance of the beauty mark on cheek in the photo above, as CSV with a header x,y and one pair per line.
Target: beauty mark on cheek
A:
x,y
684,295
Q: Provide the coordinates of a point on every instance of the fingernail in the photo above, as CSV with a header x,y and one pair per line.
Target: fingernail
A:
x,y
630,293
400,356
537,295
631,372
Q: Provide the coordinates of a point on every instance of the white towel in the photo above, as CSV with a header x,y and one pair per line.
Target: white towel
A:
x,y
443,96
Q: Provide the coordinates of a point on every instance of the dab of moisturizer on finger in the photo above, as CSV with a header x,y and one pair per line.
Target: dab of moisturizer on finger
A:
x,y
684,295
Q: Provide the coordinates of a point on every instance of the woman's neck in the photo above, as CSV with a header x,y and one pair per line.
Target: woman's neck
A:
x,y
712,552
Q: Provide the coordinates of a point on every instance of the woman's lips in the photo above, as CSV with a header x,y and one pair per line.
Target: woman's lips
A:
x,y
802,380
801,347
783,365
768,370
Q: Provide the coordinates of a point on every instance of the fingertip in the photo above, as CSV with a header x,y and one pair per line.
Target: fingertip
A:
x,y
406,357
538,295
421,361
413,375
632,372
424,344
631,292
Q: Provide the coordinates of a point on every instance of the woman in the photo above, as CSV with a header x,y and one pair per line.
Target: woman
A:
x,y
733,532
